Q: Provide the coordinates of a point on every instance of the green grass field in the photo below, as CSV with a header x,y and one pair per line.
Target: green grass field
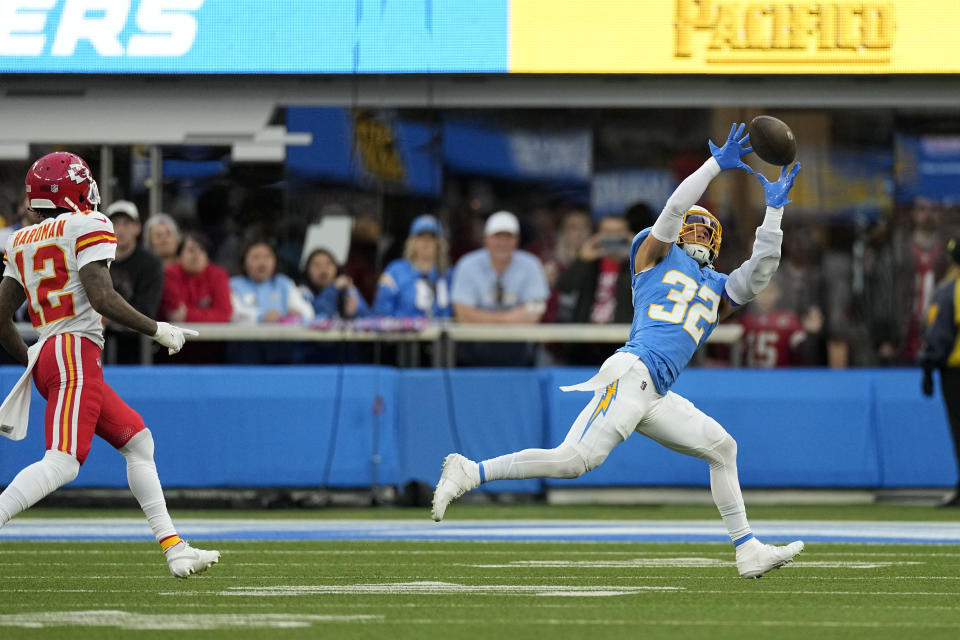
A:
x,y
394,590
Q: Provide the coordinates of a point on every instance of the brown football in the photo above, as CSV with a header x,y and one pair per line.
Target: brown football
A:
x,y
772,140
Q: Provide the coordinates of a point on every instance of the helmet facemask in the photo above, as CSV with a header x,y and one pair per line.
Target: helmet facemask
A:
x,y
700,235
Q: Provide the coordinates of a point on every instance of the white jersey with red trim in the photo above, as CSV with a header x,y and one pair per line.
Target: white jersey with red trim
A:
x,y
46,259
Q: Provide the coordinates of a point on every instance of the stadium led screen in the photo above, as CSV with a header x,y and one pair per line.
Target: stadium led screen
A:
x,y
480,36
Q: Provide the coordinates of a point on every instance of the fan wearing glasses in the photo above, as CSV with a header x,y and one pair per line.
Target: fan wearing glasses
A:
x,y
418,284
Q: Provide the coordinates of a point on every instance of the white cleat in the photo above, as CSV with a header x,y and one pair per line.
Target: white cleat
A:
x,y
457,476
185,561
755,558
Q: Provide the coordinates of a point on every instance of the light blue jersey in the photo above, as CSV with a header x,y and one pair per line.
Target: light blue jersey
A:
x,y
675,307
405,292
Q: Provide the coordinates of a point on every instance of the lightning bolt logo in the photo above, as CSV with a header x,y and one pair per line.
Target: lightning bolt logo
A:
x,y
608,397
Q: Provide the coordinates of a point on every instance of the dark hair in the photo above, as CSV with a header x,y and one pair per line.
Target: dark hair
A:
x,y
639,216
306,266
197,236
250,244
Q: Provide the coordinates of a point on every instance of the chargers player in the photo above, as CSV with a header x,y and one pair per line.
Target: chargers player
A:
x,y
678,299
60,267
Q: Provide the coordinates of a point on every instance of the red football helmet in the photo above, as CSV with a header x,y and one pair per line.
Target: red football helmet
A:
x,y
61,180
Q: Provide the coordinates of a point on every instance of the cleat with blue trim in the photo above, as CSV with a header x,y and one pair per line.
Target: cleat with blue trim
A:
x,y
755,558
457,476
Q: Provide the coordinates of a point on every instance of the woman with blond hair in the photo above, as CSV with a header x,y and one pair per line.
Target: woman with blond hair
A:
x,y
417,285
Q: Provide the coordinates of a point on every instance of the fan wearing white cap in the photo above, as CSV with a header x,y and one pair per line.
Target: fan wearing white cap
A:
x,y
499,283
137,275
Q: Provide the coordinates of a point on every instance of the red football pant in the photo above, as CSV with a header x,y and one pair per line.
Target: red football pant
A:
x,y
69,376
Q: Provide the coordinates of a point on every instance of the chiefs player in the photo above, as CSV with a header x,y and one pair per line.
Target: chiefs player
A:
x,y
60,268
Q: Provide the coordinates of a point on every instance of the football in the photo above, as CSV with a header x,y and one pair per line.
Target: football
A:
x,y
772,140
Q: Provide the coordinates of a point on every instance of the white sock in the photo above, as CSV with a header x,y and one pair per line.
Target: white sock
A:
x,y
37,481
725,488
561,462
145,484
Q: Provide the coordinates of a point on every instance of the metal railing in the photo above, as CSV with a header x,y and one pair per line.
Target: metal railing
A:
x,y
444,336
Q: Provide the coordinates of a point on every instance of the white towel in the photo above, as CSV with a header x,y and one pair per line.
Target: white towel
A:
x,y
612,369
15,410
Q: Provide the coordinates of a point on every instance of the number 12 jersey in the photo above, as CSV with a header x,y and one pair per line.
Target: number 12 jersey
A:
x,y
46,259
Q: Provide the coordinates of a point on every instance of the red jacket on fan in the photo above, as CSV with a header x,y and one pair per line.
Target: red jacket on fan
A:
x,y
205,294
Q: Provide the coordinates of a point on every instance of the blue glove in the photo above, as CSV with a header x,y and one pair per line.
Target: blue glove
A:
x,y
777,192
728,156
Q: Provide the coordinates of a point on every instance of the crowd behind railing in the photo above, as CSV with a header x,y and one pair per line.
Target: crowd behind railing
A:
x,y
844,296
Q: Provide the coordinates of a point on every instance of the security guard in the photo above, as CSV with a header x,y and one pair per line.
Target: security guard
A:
x,y
941,349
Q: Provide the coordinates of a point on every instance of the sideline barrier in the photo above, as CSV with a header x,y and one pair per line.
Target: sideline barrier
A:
x,y
359,426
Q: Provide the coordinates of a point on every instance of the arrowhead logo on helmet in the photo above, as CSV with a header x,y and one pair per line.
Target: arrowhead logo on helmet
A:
x,y
66,181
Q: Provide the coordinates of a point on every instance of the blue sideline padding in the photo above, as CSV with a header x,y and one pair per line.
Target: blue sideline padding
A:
x,y
913,434
358,426
794,428
244,427
495,411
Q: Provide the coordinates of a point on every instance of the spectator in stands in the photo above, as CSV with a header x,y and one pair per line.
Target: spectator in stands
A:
x,y
574,231
922,260
330,293
362,261
775,336
20,218
263,295
194,290
576,228
162,237
137,276
941,349
419,283
596,287
499,284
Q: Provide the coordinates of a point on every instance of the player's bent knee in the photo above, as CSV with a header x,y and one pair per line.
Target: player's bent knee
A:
x,y
725,451
60,468
139,446
570,462
591,462
580,461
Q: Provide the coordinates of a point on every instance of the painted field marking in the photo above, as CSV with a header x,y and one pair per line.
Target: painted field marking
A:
x,y
695,562
172,621
443,588
520,530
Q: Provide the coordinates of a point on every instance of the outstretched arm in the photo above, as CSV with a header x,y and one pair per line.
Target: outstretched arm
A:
x,y
11,297
663,235
750,278
96,280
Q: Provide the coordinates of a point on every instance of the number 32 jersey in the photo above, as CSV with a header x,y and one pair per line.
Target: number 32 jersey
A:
x,y
676,305
46,259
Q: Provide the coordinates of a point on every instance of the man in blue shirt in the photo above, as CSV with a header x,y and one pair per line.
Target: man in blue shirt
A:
x,y
499,284
678,299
